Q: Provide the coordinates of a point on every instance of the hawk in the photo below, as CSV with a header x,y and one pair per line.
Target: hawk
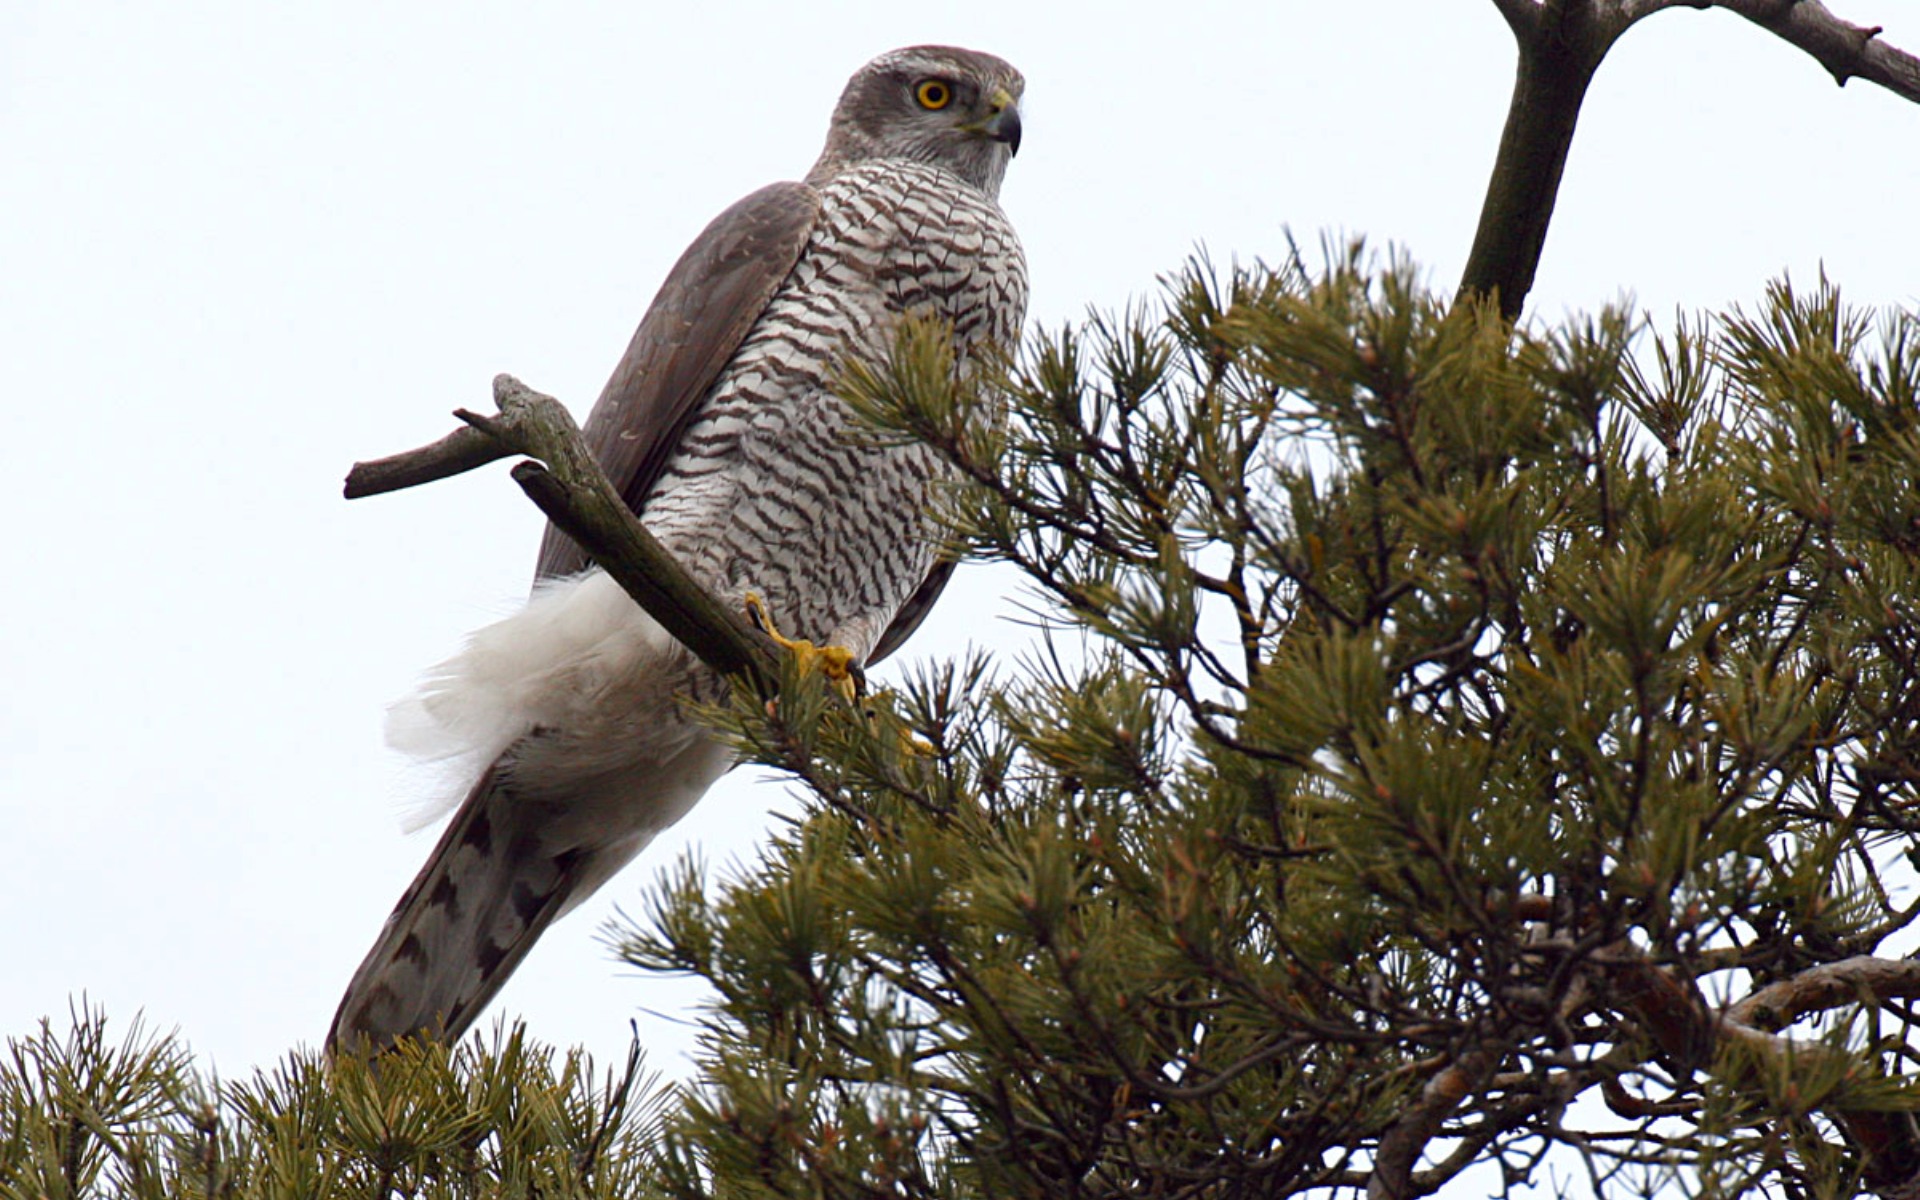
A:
x,y
721,429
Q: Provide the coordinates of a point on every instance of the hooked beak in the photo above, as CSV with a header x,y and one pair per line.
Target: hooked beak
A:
x,y
1004,124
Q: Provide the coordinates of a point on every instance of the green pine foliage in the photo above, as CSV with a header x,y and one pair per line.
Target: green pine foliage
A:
x,y
1438,726
84,1113
1428,705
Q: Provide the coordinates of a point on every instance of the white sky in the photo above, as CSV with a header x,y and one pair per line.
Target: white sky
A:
x,y
242,245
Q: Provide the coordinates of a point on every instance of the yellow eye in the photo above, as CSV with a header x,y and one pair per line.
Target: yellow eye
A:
x,y
931,93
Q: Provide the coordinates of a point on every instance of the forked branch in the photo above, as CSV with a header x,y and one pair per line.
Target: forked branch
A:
x,y
570,488
1561,46
1676,1019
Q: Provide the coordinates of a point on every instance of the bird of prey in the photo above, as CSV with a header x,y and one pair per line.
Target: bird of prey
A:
x,y
721,429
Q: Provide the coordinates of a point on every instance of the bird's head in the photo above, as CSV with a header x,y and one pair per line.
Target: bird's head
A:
x,y
956,108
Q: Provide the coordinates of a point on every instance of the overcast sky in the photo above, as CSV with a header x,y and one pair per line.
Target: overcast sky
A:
x,y
243,245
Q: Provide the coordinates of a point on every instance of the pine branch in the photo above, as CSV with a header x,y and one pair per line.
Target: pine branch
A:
x,y
574,493
1827,986
1889,1140
1393,1176
1561,46
1680,1024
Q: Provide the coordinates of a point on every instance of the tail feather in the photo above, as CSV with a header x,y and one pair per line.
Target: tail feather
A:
x,y
573,702
485,895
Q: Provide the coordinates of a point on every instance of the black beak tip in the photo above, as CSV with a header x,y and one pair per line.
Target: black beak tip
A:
x,y
1008,131
1006,128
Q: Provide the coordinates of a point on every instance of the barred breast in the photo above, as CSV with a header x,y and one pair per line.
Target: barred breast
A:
x,y
773,487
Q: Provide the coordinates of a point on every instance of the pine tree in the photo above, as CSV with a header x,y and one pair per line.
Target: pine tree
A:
x,y
1461,744
1479,741
1458,742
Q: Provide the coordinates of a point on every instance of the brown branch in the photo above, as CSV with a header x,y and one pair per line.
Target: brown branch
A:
x,y
1561,46
1522,15
1827,986
1673,1015
1889,1140
1560,49
458,452
570,488
1392,1177
1680,1023
1846,50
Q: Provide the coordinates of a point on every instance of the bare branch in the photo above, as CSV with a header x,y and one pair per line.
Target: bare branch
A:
x,y
1523,16
1561,47
458,452
1828,986
576,496
1846,50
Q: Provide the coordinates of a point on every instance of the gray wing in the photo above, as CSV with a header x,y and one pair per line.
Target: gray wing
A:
x,y
702,313
914,610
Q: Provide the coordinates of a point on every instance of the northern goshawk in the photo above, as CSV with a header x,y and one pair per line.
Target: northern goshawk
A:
x,y
721,428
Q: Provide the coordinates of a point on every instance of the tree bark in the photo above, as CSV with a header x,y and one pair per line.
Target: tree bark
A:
x,y
1558,57
1846,50
1677,1020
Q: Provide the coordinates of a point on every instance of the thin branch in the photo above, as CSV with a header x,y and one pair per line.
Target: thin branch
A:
x,y
574,493
455,454
1846,50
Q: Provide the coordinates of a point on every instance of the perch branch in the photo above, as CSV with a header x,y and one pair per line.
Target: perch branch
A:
x,y
574,493
1560,49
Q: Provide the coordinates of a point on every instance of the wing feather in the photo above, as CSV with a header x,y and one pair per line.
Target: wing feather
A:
x,y
701,314
914,611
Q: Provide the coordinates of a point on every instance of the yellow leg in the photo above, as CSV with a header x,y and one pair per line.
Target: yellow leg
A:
x,y
835,662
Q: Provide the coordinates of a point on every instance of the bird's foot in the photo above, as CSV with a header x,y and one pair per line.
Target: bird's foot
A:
x,y
834,662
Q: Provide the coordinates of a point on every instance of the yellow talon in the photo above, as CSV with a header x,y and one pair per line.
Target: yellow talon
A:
x,y
835,662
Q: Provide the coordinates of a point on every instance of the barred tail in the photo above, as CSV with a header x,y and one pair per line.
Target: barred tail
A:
x,y
486,894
